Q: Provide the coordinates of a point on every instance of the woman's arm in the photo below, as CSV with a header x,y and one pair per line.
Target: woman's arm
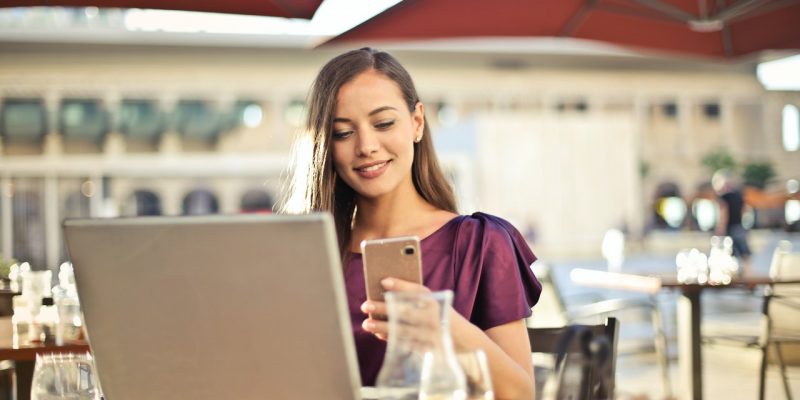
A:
x,y
508,351
506,346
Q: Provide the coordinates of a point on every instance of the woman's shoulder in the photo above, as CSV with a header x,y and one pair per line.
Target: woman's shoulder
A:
x,y
486,224
481,231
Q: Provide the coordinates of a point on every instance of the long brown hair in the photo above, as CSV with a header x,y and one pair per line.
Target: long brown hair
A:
x,y
324,189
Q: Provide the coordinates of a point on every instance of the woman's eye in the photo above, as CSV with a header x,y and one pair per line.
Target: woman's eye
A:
x,y
338,135
384,125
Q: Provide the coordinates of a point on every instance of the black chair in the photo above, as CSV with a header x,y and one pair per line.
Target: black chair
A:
x,y
589,349
594,309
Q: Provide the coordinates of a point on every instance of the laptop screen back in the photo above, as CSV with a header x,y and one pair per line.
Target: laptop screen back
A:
x,y
215,307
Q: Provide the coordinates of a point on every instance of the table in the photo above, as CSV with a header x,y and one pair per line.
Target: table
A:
x,y
6,296
690,362
689,314
25,356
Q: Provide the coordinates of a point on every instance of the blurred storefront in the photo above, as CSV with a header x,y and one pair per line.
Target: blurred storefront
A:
x,y
566,146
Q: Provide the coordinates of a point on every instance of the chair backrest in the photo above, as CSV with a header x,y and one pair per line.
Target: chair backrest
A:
x,y
785,264
597,380
550,311
784,306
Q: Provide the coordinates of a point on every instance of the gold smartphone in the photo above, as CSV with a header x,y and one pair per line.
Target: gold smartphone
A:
x,y
398,257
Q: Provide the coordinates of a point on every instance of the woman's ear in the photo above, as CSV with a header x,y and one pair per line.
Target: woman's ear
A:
x,y
418,119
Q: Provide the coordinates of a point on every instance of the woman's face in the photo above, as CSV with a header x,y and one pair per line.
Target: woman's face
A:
x,y
373,135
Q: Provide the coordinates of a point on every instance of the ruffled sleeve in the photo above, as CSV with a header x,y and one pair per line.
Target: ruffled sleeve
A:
x,y
494,283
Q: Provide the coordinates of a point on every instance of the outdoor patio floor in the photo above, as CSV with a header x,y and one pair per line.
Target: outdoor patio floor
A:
x,y
730,370
728,373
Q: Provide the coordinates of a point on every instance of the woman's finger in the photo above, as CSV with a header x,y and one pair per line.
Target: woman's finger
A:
x,y
375,326
399,285
373,307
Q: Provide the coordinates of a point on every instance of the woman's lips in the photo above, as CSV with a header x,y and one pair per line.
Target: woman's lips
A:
x,y
372,170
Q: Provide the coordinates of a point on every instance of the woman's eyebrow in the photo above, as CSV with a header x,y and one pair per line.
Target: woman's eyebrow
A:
x,y
371,113
381,109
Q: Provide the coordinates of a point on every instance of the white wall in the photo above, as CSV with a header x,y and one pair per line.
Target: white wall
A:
x,y
569,177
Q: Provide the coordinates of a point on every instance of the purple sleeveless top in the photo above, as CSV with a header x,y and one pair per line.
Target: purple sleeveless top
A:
x,y
483,259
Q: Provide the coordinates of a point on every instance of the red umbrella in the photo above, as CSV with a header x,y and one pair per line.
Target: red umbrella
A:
x,y
717,28
276,8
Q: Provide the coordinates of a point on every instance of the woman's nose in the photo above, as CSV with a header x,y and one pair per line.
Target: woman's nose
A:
x,y
367,143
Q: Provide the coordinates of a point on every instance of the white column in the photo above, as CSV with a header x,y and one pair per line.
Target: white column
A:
x,y
228,195
53,140
223,106
548,104
726,115
636,216
114,144
171,194
7,221
96,201
1,139
170,143
52,225
280,131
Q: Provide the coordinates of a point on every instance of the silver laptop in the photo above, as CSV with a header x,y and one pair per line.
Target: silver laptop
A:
x,y
217,307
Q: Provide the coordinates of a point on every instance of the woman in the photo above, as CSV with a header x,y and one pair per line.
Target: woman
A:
x,y
374,168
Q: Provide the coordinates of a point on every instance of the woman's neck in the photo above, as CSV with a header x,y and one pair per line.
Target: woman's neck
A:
x,y
391,215
402,212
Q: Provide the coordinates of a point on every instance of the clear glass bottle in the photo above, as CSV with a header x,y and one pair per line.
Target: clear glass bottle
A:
x,y
65,296
21,321
46,321
420,361
14,278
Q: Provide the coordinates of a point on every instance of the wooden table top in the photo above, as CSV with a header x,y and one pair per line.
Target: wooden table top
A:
x,y
742,281
653,283
29,352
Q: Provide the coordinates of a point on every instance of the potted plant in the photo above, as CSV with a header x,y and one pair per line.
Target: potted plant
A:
x,y
758,174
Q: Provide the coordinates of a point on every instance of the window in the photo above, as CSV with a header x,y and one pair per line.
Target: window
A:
x,y
83,120
295,113
669,208
200,202
28,222
23,120
142,202
706,214
711,110
196,120
672,210
670,110
141,120
791,128
245,113
256,201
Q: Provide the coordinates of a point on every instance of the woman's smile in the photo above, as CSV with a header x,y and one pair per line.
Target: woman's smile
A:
x,y
373,169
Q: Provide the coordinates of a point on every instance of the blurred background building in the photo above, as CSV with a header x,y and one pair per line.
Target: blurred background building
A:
x,y
101,119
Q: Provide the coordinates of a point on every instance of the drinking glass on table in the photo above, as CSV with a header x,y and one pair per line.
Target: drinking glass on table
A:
x,y
476,370
65,376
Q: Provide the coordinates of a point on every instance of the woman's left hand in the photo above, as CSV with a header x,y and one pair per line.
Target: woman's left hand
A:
x,y
380,328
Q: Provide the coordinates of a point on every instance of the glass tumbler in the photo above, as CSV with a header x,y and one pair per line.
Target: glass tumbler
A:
x,y
65,376
476,370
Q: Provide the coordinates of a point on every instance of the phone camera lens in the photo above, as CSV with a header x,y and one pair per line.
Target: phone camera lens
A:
x,y
408,251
